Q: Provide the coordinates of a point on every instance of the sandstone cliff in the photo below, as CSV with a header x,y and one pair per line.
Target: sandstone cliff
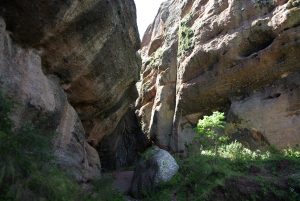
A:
x,y
241,57
74,65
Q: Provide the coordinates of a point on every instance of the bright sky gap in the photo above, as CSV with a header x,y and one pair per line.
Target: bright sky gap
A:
x,y
146,12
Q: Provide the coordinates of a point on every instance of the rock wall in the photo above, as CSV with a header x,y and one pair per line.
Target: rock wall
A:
x,y
236,56
75,64
39,98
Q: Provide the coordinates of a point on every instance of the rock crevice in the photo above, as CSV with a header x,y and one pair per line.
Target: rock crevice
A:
x,y
235,49
74,63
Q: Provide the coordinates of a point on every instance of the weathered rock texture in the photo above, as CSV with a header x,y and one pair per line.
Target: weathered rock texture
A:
x,y
155,167
39,98
90,45
84,49
206,55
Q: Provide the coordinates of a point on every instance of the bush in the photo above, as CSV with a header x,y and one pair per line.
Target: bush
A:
x,y
293,3
221,167
28,170
185,38
265,3
156,58
209,130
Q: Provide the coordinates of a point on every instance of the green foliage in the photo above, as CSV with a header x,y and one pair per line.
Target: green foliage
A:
x,y
27,168
185,38
156,58
205,171
209,128
103,191
28,171
236,151
265,3
149,153
208,125
293,3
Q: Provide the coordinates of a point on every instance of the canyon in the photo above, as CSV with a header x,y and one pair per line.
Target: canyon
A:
x,y
79,69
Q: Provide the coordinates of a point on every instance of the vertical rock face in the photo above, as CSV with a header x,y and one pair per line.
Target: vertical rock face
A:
x,y
75,63
206,55
91,46
40,99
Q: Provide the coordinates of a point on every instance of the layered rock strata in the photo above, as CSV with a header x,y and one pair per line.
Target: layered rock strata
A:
x,y
205,55
74,62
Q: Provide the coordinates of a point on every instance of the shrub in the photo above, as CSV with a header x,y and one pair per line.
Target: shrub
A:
x,y
265,3
156,58
209,128
293,3
208,125
219,164
28,171
185,38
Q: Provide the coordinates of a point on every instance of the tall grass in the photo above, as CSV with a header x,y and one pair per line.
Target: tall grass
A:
x,y
27,166
209,168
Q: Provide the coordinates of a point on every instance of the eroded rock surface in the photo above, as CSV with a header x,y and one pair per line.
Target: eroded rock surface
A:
x,y
76,62
203,55
91,46
39,98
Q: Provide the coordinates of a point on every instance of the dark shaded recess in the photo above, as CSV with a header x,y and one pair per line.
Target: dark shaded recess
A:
x,y
258,40
121,148
272,96
143,180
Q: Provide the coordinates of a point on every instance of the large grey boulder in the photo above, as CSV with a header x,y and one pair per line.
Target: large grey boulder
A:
x,y
155,167
167,165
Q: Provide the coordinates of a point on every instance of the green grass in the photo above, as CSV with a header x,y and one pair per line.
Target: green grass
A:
x,y
202,173
223,169
28,170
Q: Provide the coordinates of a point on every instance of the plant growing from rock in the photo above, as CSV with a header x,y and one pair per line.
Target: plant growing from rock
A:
x,y
185,38
293,3
264,3
156,58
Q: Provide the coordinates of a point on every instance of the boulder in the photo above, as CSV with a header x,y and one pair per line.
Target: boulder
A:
x,y
156,166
